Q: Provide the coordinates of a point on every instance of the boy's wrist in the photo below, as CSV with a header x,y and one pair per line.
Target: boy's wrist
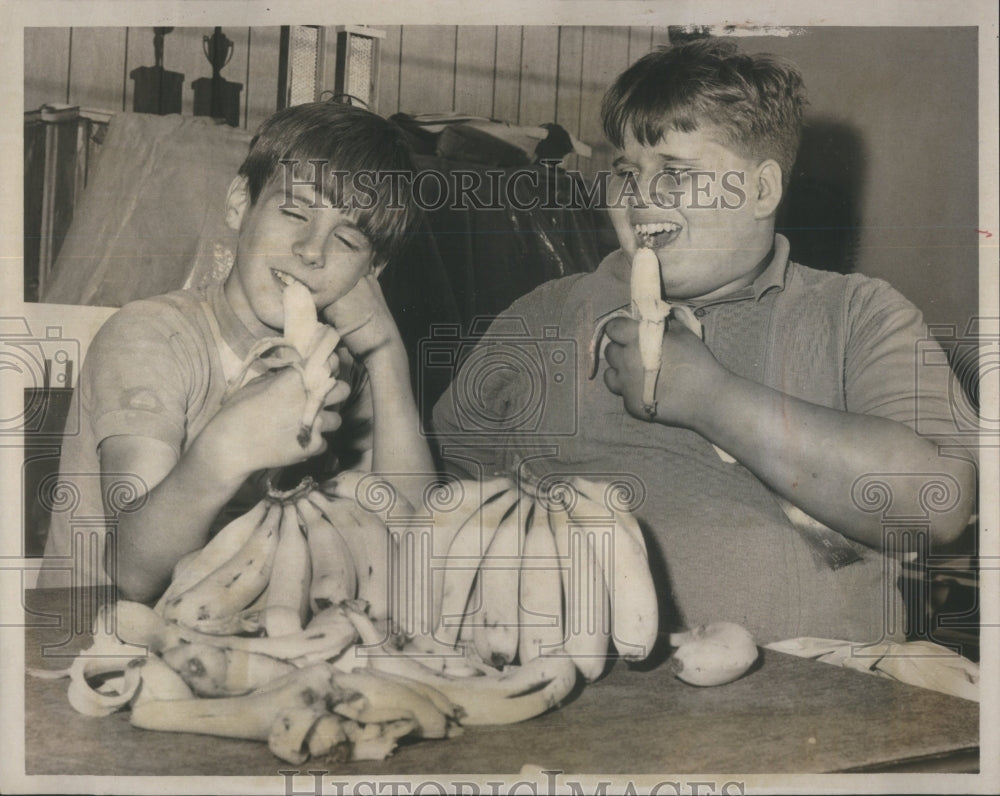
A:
x,y
717,402
209,459
389,357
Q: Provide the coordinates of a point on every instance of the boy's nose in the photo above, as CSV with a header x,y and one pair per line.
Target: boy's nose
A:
x,y
309,248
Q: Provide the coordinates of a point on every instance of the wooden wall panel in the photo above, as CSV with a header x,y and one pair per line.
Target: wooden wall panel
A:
x,y
539,71
475,65
605,54
97,68
46,66
388,78
427,72
527,75
260,92
640,42
569,86
507,74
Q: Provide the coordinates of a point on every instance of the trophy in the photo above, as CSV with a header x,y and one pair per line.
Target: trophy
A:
x,y
216,96
218,50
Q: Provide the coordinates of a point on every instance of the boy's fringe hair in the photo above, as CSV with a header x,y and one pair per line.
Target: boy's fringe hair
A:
x,y
754,102
341,138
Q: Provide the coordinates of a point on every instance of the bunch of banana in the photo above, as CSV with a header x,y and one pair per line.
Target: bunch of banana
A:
x,y
281,628
558,571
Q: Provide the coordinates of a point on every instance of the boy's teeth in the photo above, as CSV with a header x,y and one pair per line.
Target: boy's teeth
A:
x,y
652,229
287,279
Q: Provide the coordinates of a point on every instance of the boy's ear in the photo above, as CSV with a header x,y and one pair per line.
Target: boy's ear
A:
x,y
768,189
378,269
237,202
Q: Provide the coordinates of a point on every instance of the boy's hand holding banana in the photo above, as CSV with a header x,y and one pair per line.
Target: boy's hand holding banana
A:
x,y
637,381
284,407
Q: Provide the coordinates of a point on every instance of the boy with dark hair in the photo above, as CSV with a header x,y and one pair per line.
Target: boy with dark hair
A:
x,y
153,385
801,390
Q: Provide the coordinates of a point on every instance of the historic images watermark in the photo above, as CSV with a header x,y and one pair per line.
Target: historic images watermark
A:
x,y
314,782
523,189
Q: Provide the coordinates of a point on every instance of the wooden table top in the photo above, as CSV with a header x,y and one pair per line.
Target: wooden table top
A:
x,y
788,715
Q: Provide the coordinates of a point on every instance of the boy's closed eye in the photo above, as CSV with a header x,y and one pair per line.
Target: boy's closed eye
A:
x,y
352,237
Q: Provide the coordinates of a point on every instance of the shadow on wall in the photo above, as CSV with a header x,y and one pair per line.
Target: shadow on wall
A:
x,y
821,212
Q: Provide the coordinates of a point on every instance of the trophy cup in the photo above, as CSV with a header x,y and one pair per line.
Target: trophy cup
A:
x,y
216,96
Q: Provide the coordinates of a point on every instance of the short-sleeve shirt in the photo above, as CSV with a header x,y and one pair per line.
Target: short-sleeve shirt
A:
x,y
720,543
157,368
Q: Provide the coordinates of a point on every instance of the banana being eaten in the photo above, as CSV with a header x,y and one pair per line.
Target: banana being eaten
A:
x,y
307,345
651,311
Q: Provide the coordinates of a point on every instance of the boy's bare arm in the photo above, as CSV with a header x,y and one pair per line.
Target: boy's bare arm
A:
x,y
256,430
810,454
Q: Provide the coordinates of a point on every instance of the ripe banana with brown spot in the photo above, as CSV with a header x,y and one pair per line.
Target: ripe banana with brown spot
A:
x,y
250,716
368,540
451,515
286,608
328,739
158,681
495,632
327,635
217,671
464,556
429,692
387,700
634,605
540,607
139,625
585,595
376,741
516,694
290,730
223,593
218,550
334,573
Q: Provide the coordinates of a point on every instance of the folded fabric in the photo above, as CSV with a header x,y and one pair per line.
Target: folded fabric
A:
x,y
920,663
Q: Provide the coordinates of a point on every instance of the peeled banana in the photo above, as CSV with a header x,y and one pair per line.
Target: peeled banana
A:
x,y
648,307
